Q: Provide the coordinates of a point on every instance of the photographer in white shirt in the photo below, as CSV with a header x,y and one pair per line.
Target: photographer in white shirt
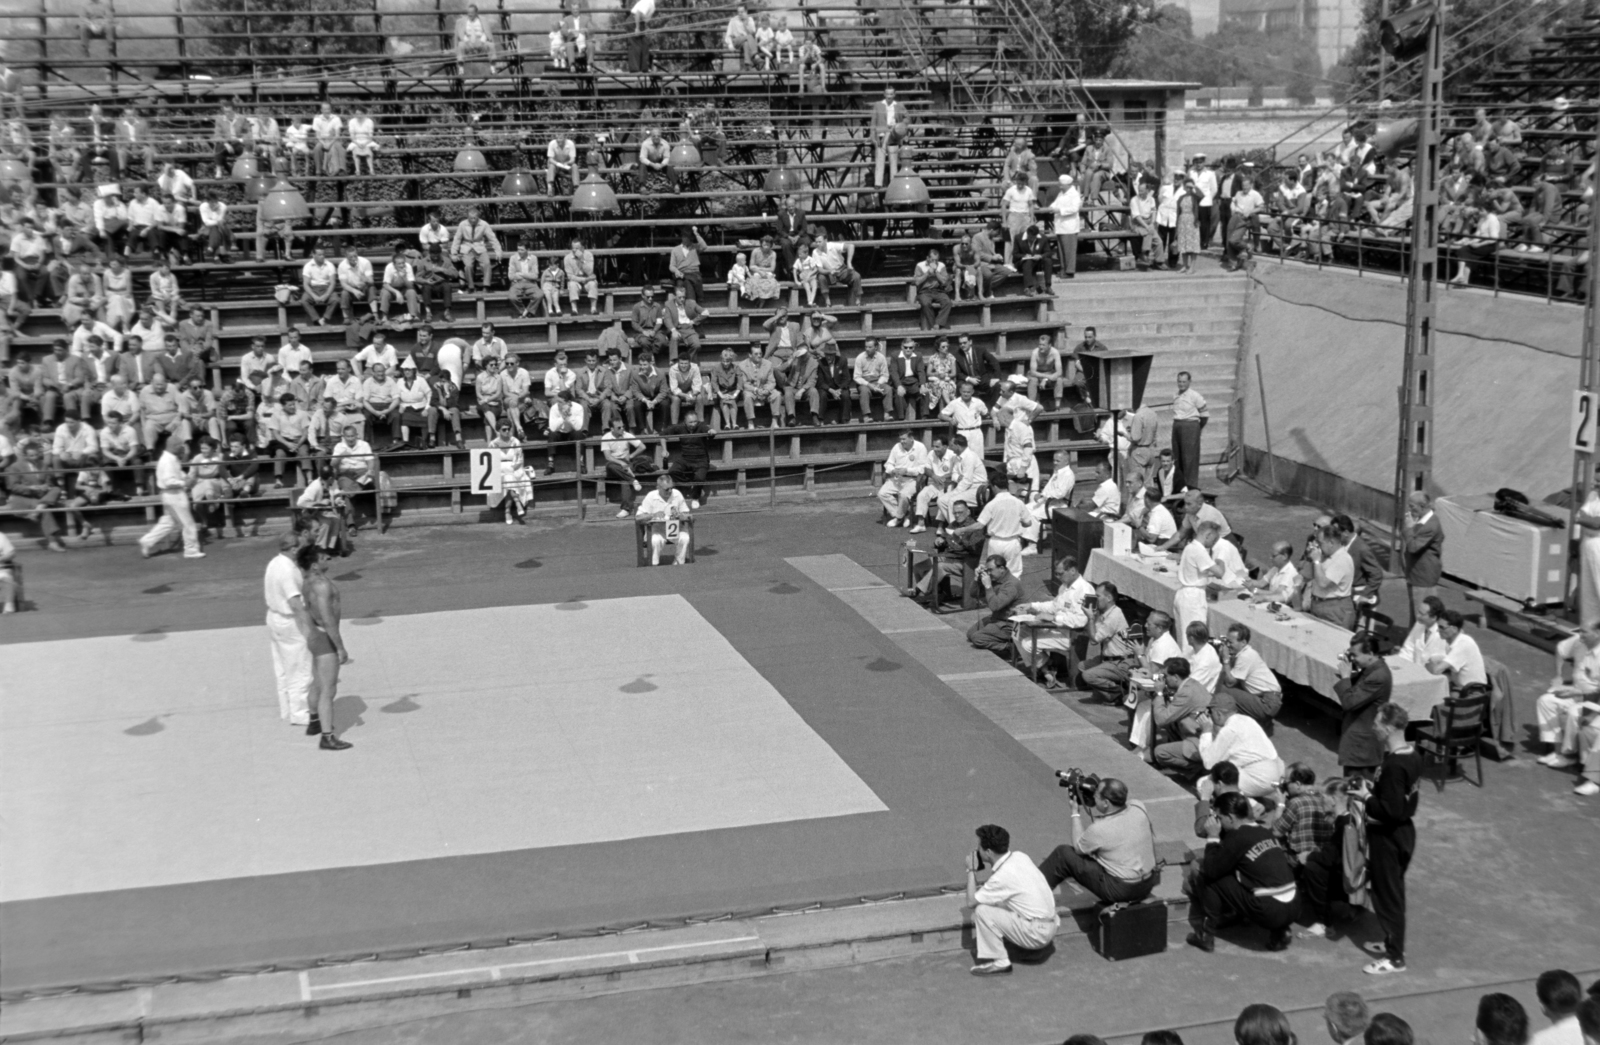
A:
x,y
1010,900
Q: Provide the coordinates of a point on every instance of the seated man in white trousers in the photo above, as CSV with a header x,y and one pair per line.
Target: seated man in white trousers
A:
x,y
1010,900
941,461
908,460
1568,717
659,505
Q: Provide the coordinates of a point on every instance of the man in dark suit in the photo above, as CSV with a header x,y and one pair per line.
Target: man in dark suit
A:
x,y
1368,687
792,239
179,364
1033,250
906,377
981,367
1367,587
1424,550
932,282
836,383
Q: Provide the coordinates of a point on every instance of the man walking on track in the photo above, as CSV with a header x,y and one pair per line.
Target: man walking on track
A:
x,y
290,626
173,480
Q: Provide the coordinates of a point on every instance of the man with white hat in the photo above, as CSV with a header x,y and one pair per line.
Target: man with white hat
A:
x,y
1066,207
1205,179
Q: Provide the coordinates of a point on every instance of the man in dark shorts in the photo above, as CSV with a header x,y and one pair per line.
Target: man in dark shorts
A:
x,y
326,644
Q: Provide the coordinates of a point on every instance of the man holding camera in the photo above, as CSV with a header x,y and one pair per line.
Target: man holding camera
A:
x,y
1245,876
1247,684
1010,900
1177,712
994,632
1114,857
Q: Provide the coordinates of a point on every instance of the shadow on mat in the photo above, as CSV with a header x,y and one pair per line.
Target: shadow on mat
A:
x,y
348,710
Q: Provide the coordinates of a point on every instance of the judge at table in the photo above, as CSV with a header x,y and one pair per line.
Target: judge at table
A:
x,y
1197,570
1333,573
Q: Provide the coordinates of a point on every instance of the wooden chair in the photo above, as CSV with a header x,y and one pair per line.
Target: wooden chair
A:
x,y
1457,731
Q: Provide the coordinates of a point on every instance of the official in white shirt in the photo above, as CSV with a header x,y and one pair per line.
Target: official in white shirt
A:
x,y
941,462
1057,491
1327,594
1423,642
1205,664
1560,710
289,626
1281,581
908,460
661,504
1010,899
1107,495
1160,647
1247,684
1196,570
1003,519
1461,660
1158,526
173,482
967,413
967,476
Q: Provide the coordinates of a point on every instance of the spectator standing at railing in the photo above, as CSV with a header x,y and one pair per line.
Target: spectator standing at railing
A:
x,y
889,127
1243,215
1066,209
1204,178
96,21
791,232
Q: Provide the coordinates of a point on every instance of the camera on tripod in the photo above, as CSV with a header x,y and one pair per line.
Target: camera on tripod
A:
x,y
1085,787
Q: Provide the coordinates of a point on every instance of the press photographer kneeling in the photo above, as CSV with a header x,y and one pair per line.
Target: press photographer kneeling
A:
x,y
1113,850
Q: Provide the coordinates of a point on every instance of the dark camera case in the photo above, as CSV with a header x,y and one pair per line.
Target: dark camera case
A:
x,y
1125,931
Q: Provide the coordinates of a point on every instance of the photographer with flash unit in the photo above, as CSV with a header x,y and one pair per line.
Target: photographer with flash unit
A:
x,y
1113,855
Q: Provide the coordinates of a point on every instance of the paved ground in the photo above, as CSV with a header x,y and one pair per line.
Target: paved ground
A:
x,y
1501,888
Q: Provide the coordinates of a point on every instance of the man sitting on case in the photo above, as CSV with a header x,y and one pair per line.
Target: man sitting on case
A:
x,y
1114,857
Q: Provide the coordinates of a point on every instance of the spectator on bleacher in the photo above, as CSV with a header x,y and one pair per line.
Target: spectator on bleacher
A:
x,y
939,378
415,400
97,22
118,398
517,400
228,133
654,154
400,284
561,159
165,299
380,401
522,271
327,155
163,412
1245,876
168,234
287,435
759,384
473,39
687,391
760,280
626,463
297,146
906,379
31,490
179,364
149,329
649,322
73,446
434,231
589,388
1033,250
792,240
835,384
29,253
1244,210
437,279
377,353
740,39
889,128
319,278
647,390
444,402
684,263
931,279
836,267
1017,202
578,266
491,346
490,394
726,387
356,284
214,237
363,141
567,422
871,373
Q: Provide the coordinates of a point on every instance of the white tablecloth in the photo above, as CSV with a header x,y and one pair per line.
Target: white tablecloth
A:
x,y
1304,649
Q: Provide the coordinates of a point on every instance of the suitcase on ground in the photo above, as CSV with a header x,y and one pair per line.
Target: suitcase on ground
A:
x,y
1125,931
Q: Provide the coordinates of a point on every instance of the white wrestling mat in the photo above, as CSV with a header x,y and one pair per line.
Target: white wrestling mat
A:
x,y
155,759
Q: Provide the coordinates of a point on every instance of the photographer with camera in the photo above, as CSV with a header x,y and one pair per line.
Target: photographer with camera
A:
x,y
1113,856
1010,900
1245,876
1177,715
1247,684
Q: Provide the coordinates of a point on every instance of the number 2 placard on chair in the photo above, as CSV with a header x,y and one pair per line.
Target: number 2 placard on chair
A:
x,y
486,477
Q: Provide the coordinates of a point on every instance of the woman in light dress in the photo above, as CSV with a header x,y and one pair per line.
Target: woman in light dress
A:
x,y
516,489
762,283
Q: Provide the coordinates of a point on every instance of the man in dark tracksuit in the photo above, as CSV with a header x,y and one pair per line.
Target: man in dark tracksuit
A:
x,y
1391,835
1247,876
690,456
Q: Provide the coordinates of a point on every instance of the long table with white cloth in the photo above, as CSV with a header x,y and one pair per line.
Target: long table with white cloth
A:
x,y
1303,649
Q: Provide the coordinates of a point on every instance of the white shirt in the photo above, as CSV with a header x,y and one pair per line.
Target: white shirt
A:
x,y
654,506
1423,643
1059,486
1108,499
319,277
1067,608
373,354
170,474
1018,200
1240,740
1065,207
913,461
1332,576
1466,660
557,381
65,442
1205,179
291,356
1160,524
352,460
1251,672
1162,649
1192,564
1235,573
1283,583
1564,1031
281,584
1205,667
1019,887
966,415
969,472
620,448
1585,663
1004,516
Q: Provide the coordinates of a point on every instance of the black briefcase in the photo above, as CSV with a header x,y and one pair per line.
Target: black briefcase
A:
x,y
1124,931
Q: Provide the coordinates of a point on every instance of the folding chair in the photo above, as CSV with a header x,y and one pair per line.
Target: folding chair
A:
x,y
1457,730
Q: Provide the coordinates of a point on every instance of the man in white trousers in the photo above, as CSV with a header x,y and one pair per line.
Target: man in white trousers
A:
x,y
1197,569
289,626
173,481
908,460
1010,900
659,505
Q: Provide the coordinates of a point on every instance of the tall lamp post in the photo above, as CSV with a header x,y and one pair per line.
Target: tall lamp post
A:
x,y
1413,32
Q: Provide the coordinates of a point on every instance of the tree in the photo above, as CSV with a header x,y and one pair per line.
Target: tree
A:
x,y
1164,48
1094,33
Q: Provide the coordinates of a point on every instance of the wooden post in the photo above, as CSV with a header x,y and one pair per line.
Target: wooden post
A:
x,y
1272,463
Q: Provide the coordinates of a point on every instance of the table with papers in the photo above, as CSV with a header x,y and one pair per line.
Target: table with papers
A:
x,y
1302,649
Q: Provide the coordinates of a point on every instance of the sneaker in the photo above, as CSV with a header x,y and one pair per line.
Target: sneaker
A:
x,y
1556,760
194,555
919,528
623,513
892,523
1314,931
1383,967
1587,789
1030,550
991,969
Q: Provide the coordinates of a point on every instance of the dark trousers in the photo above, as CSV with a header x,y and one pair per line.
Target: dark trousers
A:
x,y
995,636
1036,273
694,288
639,469
835,409
1228,900
1323,894
1186,452
1262,707
1205,215
935,306
690,476
1066,862
1388,856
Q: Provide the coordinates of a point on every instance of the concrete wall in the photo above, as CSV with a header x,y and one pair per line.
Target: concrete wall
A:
x,y
1331,346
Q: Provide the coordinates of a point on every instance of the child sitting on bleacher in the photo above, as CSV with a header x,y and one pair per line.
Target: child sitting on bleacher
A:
x,y
738,274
